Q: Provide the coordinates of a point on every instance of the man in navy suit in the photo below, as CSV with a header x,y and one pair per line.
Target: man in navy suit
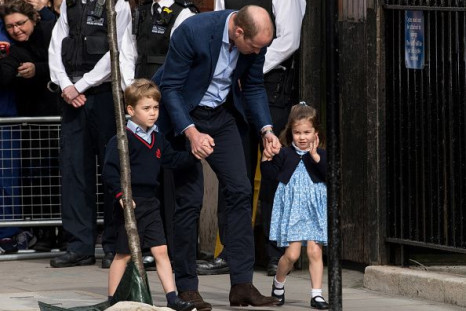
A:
x,y
211,56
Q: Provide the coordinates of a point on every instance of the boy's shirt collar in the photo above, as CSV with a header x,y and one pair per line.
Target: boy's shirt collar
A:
x,y
146,135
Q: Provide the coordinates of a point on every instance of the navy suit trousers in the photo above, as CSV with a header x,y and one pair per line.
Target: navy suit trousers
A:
x,y
228,163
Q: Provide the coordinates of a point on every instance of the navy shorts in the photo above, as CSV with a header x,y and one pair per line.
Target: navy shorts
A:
x,y
149,222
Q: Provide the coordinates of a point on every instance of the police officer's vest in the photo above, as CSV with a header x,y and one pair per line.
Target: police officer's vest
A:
x,y
87,39
238,4
153,35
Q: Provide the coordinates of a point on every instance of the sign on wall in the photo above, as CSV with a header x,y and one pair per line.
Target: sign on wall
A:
x,y
414,39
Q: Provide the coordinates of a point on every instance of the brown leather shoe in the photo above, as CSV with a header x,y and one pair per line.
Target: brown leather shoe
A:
x,y
245,294
194,297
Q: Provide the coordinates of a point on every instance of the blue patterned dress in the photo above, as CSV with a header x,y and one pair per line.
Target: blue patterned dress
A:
x,y
299,210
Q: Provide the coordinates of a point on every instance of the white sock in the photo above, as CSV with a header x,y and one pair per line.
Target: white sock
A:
x,y
317,292
279,286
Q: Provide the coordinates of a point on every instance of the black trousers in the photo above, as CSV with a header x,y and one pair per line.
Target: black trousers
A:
x,y
228,163
85,132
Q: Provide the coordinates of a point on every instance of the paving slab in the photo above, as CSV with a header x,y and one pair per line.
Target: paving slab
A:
x,y
436,285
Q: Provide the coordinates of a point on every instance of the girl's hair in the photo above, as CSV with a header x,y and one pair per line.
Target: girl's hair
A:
x,y
301,111
21,7
141,88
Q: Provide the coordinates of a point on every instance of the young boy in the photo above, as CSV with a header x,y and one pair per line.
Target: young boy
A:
x,y
148,151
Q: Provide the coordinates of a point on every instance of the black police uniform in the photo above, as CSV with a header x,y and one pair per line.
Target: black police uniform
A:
x,y
153,35
88,127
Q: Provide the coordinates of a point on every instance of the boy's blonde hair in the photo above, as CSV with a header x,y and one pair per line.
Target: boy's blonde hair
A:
x,y
141,88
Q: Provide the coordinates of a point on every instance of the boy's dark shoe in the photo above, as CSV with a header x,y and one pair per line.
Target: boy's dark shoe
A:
x,y
71,259
213,267
107,260
194,297
181,305
281,298
321,305
245,294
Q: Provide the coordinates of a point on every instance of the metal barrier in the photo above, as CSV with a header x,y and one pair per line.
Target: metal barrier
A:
x,y
426,129
29,173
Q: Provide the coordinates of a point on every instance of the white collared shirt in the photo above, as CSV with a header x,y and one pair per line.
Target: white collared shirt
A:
x,y
220,85
101,71
146,135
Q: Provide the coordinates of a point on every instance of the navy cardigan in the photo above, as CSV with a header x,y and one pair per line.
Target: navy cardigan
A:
x,y
282,166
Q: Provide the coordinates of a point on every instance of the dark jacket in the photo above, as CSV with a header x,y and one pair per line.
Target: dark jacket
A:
x,y
32,96
282,166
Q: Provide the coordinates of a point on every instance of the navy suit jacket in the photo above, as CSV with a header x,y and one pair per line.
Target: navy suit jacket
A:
x,y
189,68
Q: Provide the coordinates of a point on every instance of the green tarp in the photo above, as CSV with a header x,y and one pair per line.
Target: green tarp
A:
x,y
131,288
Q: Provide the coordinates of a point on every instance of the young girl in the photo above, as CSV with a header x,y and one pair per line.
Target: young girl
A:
x,y
299,214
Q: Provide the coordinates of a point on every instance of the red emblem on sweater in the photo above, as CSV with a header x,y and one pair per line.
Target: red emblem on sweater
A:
x,y
158,153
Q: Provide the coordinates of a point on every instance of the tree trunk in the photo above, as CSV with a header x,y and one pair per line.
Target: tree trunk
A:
x,y
130,220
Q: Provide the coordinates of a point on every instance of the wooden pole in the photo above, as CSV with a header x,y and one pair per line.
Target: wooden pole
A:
x,y
130,219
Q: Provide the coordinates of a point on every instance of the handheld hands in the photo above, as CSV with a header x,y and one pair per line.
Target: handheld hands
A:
x,y
271,145
71,95
202,145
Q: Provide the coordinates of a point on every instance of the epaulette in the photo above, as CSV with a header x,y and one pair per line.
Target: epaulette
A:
x,y
188,4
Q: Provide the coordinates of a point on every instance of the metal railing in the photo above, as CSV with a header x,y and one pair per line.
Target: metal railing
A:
x,y
426,128
29,173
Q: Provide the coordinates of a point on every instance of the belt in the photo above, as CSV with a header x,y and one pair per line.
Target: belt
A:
x,y
208,108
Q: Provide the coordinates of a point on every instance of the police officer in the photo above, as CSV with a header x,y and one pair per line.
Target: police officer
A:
x,y
146,42
146,45
278,78
79,61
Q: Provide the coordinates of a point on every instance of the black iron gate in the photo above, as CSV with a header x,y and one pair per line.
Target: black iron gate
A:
x,y
426,128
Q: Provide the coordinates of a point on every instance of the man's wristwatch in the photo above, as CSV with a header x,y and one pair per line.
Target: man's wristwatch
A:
x,y
264,132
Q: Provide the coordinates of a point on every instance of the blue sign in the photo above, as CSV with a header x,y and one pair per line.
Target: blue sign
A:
x,y
414,39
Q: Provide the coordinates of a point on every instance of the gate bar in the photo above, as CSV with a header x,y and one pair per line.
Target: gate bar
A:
x,y
334,168
423,8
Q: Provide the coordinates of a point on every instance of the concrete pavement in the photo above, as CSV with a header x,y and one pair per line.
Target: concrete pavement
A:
x,y
25,282
445,284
